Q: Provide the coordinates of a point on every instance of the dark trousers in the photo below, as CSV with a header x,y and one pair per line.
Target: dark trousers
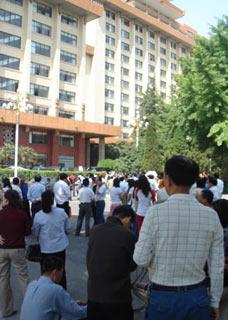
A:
x,y
103,311
26,207
62,256
85,210
64,206
36,206
100,205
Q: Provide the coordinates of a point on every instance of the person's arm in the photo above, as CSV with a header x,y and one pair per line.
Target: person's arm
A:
x,y
144,248
67,307
131,247
216,266
67,225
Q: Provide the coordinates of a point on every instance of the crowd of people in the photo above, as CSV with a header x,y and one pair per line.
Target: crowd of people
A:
x,y
175,225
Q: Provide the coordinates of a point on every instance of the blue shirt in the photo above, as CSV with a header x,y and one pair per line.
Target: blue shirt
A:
x,y
35,191
50,229
46,300
24,190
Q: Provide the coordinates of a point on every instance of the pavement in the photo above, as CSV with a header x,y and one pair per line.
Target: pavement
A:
x,y
77,274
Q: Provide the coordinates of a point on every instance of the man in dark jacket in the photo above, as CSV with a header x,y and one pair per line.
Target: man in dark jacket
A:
x,y
109,263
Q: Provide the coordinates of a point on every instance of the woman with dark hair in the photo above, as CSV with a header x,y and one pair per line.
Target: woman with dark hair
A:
x,y
144,197
116,195
51,226
6,184
14,226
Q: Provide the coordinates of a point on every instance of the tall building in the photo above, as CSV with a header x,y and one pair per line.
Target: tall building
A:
x,y
136,42
77,69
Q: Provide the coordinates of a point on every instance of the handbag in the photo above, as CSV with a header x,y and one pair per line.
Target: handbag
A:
x,y
33,253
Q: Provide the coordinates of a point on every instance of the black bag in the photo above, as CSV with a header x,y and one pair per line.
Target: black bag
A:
x,y
33,253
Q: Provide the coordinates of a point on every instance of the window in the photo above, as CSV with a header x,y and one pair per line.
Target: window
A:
x,y
125,110
37,90
109,107
66,96
163,84
109,93
109,120
138,28
124,123
124,59
42,160
110,27
66,114
163,95
124,84
125,46
67,76
173,76
40,110
41,28
69,20
173,66
173,56
39,69
109,80
9,62
18,2
162,73
109,53
66,141
10,40
151,80
138,88
125,135
66,162
151,57
109,66
137,100
39,48
68,57
125,34
151,68
138,40
163,40
138,52
125,22
42,9
138,64
68,38
124,71
10,17
162,50
173,45
110,15
138,76
183,50
8,84
151,34
151,45
124,97
110,40
38,137
163,62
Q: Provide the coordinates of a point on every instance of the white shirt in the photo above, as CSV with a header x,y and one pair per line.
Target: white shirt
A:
x,y
215,192
124,186
50,229
35,191
101,192
130,193
176,239
153,184
61,191
18,189
115,195
162,195
143,203
220,186
86,195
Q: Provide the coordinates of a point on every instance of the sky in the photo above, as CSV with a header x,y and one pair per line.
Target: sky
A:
x,y
200,14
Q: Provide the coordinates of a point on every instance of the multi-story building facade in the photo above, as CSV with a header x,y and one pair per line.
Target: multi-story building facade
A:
x,y
136,42
79,68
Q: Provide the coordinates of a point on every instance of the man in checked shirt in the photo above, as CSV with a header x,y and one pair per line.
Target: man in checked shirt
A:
x,y
177,238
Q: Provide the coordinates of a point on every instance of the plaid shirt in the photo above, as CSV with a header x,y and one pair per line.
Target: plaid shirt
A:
x,y
176,239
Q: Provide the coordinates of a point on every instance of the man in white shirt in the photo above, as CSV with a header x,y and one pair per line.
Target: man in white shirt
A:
x,y
177,238
220,185
212,184
62,193
86,196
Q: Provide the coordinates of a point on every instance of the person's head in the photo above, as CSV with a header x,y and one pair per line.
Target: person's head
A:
x,y
200,182
216,175
47,201
212,181
180,174
37,178
6,182
121,178
144,185
63,176
150,176
52,267
125,213
221,207
205,197
22,179
116,182
12,199
131,183
85,182
16,181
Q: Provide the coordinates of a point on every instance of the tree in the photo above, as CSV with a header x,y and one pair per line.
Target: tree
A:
x,y
26,155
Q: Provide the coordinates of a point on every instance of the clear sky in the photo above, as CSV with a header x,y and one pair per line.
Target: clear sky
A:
x,y
200,14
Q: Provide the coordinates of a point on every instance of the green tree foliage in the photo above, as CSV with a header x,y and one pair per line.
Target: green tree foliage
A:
x,y
26,156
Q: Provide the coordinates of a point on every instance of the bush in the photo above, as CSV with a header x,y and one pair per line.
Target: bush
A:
x,y
107,163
